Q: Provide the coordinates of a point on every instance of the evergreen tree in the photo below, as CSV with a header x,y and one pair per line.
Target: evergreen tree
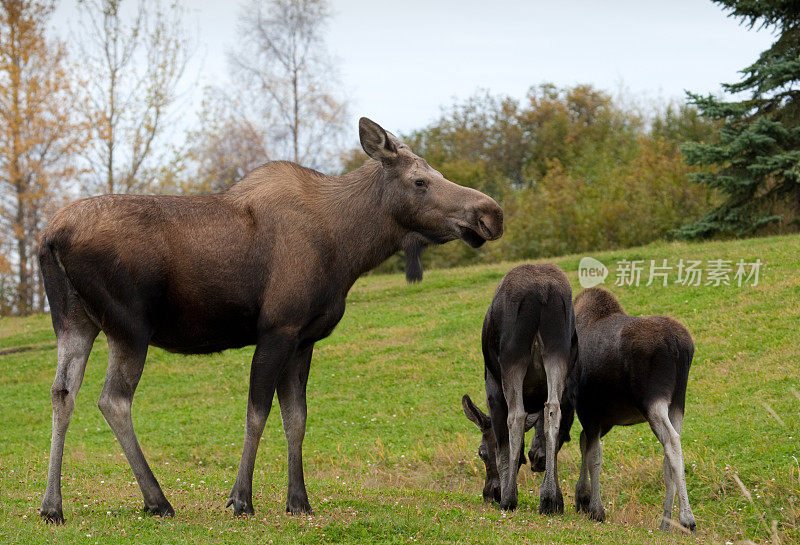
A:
x,y
755,158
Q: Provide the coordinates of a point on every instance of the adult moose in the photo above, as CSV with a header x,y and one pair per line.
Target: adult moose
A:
x,y
631,369
268,262
529,348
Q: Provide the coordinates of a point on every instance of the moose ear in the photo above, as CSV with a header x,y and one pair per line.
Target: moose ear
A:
x,y
473,413
377,143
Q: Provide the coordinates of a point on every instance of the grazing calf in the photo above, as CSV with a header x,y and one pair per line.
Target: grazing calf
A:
x,y
529,346
631,369
487,451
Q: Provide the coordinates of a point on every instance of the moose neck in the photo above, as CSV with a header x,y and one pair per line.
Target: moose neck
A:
x,y
359,222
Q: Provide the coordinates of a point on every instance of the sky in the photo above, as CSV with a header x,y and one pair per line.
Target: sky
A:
x,y
400,62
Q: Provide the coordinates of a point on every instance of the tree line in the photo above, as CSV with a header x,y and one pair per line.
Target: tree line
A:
x,y
94,113
575,168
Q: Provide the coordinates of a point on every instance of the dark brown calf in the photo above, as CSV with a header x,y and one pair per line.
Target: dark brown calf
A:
x,y
631,369
269,262
529,347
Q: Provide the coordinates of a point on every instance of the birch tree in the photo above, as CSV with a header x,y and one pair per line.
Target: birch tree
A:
x,y
135,58
289,78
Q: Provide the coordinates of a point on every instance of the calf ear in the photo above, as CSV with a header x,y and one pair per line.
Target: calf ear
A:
x,y
530,420
473,413
377,143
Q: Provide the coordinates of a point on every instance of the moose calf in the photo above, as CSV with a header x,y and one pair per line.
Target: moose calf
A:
x,y
529,346
631,369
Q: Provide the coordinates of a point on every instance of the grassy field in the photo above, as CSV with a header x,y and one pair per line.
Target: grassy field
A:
x,y
389,456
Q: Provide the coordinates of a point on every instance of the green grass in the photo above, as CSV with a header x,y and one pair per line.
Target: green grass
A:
x,y
389,456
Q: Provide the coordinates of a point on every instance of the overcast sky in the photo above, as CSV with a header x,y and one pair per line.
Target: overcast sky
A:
x,y
401,61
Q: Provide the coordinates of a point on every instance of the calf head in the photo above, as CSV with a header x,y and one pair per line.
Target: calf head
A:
x,y
487,451
427,207
538,453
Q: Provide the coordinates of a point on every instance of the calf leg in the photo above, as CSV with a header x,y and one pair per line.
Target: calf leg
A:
x,y
272,352
582,491
513,377
125,366
670,438
498,414
669,497
74,340
550,498
292,398
594,458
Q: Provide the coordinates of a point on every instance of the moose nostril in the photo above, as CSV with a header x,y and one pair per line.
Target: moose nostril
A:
x,y
484,227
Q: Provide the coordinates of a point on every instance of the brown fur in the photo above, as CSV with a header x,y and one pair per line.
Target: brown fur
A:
x,y
529,347
631,369
268,262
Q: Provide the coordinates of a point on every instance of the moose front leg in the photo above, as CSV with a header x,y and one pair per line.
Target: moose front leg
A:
x,y
273,350
292,398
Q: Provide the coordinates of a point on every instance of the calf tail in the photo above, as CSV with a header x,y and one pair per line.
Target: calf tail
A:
x,y
521,327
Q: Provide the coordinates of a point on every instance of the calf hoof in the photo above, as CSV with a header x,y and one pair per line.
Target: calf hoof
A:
x,y
551,504
508,505
52,515
491,494
298,505
597,513
688,525
163,510
582,504
241,508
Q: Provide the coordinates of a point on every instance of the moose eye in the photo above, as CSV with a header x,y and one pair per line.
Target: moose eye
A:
x,y
419,183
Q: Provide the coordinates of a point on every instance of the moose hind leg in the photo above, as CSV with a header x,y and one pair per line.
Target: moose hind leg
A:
x,y
292,399
669,496
74,340
594,457
670,438
550,497
125,366
512,378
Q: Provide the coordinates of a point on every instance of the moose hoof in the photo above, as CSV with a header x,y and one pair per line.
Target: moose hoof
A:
x,y
163,510
52,515
551,504
598,514
298,506
582,504
689,523
686,525
241,508
508,505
